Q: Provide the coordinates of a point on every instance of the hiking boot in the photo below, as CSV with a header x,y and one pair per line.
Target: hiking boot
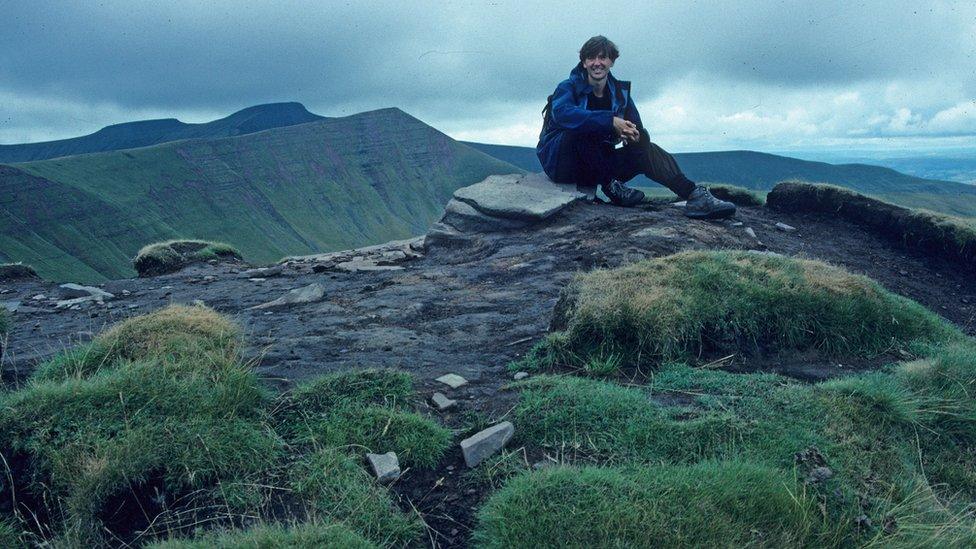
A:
x,y
702,205
621,194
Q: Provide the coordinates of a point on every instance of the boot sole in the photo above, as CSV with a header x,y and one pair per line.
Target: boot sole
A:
x,y
720,214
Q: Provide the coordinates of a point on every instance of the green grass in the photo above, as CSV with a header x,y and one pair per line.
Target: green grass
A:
x,y
16,271
172,255
368,409
335,487
690,303
159,419
702,505
274,536
738,195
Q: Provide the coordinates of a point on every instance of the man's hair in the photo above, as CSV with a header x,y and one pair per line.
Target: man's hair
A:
x,y
597,45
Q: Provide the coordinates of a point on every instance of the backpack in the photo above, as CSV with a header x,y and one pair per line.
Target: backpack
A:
x,y
546,116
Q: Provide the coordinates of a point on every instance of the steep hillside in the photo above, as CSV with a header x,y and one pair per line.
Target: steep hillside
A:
x,y
321,186
151,132
761,171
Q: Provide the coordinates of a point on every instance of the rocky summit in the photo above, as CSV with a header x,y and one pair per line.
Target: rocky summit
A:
x,y
474,294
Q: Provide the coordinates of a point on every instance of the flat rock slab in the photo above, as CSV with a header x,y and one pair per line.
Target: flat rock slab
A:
x,y
386,466
503,196
452,380
441,401
72,290
785,228
359,266
307,294
485,443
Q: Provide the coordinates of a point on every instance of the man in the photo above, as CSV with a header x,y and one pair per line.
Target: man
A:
x,y
589,114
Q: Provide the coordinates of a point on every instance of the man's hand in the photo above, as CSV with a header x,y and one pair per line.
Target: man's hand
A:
x,y
625,130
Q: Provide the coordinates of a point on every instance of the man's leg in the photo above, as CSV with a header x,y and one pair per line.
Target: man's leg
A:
x,y
654,162
583,159
657,164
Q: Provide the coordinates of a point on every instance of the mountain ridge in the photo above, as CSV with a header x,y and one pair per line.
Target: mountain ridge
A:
x,y
142,133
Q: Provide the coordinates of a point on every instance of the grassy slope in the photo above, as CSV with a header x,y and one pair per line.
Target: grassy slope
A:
x,y
761,171
302,189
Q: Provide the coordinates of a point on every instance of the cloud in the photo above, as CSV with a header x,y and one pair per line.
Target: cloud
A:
x,y
483,69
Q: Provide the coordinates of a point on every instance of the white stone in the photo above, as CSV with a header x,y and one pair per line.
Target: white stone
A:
x,y
751,232
452,380
72,290
386,466
482,445
680,204
520,375
441,401
306,294
785,228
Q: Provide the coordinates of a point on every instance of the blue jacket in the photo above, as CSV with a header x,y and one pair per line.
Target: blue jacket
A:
x,y
569,114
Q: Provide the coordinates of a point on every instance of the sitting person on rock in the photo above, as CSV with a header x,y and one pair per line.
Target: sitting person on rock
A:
x,y
588,116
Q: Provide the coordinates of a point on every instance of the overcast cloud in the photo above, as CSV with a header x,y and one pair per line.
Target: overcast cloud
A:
x,y
768,75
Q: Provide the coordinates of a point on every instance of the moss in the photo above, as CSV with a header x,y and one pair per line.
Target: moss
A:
x,y
691,303
171,256
298,536
17,271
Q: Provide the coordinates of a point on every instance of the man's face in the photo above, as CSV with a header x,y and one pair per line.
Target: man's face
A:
x,y
598,66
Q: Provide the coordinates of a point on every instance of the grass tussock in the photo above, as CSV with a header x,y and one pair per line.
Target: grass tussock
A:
x,y
701,505
160,422
298,536
951,237
170,256
739,196
17,271
4,322
184,336
695,303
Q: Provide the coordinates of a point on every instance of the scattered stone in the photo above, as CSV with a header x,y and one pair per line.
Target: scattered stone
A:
x,y
75,304
386,466
681,204
903,273
785,228
126,292
736,223
266,272
209,278
11,306
199,303
520,375
72,291
482,445
452,380
308,294
39,297
133,305
543,464
863,523
365,265
441,401
257,279
751,232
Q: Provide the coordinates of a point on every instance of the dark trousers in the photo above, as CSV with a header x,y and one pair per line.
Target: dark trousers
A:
x,y
587,160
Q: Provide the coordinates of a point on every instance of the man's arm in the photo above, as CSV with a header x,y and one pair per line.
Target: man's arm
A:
x,y
569,115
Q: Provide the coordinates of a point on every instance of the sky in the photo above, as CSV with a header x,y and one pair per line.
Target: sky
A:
x,y
885,75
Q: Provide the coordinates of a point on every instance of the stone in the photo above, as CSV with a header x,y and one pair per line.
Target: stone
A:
x,y
307,294
39,297
520,375
466,218
76,302
11,306
199,303
503,196
257,279
785,228
365,265
72,290
386,466
452,380
441,401
482,445
680,204
751,232
266,272
126,292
